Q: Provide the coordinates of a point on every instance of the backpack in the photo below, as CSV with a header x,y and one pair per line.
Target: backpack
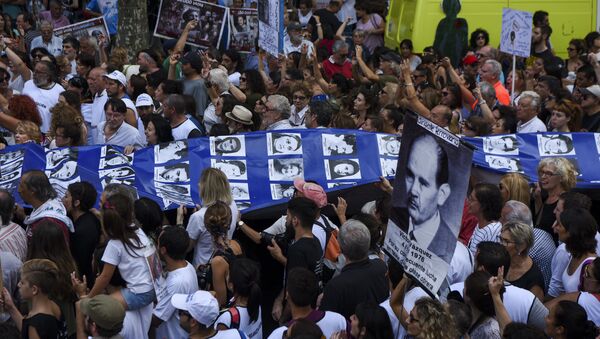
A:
x,y
332,249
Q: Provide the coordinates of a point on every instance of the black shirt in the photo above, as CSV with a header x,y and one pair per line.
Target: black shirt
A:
x,y
359,282
591,123
307,253
46,326
83,243
547,219
329,23
533,277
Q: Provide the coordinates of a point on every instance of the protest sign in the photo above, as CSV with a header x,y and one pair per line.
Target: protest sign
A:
x,y
429,191
93,27
270,26
516,32
243,25
174,15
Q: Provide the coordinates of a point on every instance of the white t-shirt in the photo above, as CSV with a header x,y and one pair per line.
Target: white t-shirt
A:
x,y
133,263
331,323
591,304
461,265
234,78
183,281
182,131
488,233
137,323
532,126
45,100
560,261
227,334
252,329
198,232
571,282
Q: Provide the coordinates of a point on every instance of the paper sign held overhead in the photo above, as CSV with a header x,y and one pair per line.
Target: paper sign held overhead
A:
x,y
516,32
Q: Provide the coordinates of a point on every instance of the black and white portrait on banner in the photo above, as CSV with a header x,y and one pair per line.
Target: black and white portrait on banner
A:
x,y
504,163
388,167
389,145
427,202
501,144
239,191
174,15
243,25
233,146
555,144
125,181
341,184
174,150
89,28
242,205
56,156
64,174
282,191
179,172
178,194
339,144
285,169
597,141
284,144
233,169
341,169
11,156
11,168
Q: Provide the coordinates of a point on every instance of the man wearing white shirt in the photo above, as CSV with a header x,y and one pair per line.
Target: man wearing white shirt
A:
x,y
44,91
116,85
294,40
527,111
174,111
278,112
114,130
97,86
48,40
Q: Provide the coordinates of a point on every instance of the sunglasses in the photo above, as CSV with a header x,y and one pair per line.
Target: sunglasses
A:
x,y
38,56
571,49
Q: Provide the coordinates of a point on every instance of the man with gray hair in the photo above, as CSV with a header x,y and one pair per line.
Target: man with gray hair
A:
x,y
217,85
527,113
277,113
48,40
174,111
338,62
362,279
543,245
491,72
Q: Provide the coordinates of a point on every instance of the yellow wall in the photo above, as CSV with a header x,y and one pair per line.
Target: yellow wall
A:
x,y
418,19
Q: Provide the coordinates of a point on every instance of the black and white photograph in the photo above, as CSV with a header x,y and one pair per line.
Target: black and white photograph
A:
x,y
7,177
264,12
8,167
284,144
282,191
388,167
504,163
427,202
502,144
115,161
117,172
109,151
239,191
125,181
339,144
341,169
242,205
340,184
174,194
57,156
285,169
66,171
92,27
555,144
389,145
173,173
11,156
174,150
232,146
174,15
233,169
243,25
597,140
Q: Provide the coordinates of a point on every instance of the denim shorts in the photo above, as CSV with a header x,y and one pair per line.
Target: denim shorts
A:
x,y
137,300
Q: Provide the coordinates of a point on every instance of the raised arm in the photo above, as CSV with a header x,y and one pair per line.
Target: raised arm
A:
x,y
397,301
18,65
496,284
179,46
363,66
411,93
467,96
338,34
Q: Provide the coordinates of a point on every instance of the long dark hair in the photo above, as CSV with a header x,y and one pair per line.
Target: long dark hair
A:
x,y
573,318
117,218
374,319
245,277
149,216
164,132
254,82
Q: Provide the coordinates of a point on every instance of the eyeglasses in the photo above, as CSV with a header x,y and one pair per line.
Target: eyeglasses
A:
x,y
547,174
38,56
504,241
481,37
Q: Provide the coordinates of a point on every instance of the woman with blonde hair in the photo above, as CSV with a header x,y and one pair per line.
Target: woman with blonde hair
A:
x,y
556,175
213,186
27,131
514,186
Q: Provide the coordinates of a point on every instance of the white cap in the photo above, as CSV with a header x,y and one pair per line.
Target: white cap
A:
x,y
202,306
144,100
117,76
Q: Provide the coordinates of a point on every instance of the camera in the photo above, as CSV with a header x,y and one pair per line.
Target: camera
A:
x,y
282,240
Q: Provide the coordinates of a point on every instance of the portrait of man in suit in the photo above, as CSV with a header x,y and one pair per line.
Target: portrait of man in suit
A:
x,y
427,190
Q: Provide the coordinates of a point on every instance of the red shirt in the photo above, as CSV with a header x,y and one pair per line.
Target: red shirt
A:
x,y
330,68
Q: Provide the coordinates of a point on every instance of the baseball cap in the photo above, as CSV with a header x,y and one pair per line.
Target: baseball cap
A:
x,y
117,76
193,59
311,191
294,26
240,114
105,311
594,90
201,305
470,60
143,100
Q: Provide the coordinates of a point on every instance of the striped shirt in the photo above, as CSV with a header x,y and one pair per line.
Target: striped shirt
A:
x,y
488,233
13,239
542,252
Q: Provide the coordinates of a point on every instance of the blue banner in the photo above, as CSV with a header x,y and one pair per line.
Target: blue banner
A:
x,y
261,166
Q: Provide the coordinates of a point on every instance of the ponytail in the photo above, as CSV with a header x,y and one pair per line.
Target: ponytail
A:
x,y
245,277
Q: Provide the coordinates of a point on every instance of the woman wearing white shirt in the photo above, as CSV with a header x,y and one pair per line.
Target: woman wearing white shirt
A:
x,y
576,227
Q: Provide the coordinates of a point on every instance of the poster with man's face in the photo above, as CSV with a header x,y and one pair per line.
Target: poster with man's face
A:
x,y
429,190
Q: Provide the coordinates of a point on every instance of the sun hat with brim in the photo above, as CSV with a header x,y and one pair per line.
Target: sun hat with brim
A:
x,y
240,114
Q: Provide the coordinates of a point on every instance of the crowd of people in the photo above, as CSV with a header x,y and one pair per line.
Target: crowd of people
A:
x,y
525,264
